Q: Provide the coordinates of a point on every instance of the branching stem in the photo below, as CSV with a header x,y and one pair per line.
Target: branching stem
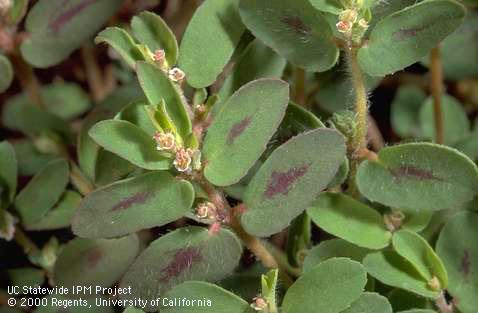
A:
x,y
28,80
29,247
299,91
443,305
437,90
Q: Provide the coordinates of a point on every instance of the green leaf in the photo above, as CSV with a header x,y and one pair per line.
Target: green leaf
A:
x,y
42,192
402,300
406,36
313,291
295,29
405,108
122,42
8,172
290,179
157,87
329,6
418,252
65,100
257,61
7,73
209,41
87,262
393,270
220,299
57,28
7,224
241,130
60,215
30,159
124,207
416,221
457,248
456,124
269,288
190,253
469,144
418,311
17,11
26,277
420,176
333,248
136,113
111,168
349,219
298,239
370,302
129,142
151,30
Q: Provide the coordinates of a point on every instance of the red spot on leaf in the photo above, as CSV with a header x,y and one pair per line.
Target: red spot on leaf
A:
x,y
296,24
410,171
465,264
280,182
237,129
57,23
94,256
138,198
183,259
404,34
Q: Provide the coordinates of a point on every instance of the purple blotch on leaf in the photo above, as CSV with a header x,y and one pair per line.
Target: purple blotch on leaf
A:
x,y
94,256
404,34
410,171
183,259
296,24
465,264
56,24
137,198
280,182
237,129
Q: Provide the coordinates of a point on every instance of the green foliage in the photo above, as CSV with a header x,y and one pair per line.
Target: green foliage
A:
x,y
351,220
295,29
406,36
419,176
190,253
290,179
57,29
405,116
122,42
310,293
215,21
240,132
459,255
7,73
371,303
145,201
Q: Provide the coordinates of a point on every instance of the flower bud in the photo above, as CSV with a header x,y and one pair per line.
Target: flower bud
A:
x,y
434,283
344,27
159,56
348,16
164,141
182,161
259,303
206,210
5,6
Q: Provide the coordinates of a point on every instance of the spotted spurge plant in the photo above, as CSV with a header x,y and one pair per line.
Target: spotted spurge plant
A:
x,y
242,170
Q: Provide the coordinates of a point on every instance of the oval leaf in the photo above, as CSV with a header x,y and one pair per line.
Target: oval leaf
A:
x,y
420,176
290,179
370,302
57,28
151,30
418,252
295,29
313,291
42,192
406,36
129,142
157,87
215,21
241,130
349,219
217,299
185,254
122,42
333,248
8,172
457,248
7,73
405,111
144,201
88,262
393,270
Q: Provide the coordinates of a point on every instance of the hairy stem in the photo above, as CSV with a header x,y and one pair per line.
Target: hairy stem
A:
x,y
299,87
82,184
437,90
361,110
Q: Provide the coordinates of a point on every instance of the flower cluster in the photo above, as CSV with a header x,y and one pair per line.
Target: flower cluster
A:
x,y
352,22
185,159
206,210
259,303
